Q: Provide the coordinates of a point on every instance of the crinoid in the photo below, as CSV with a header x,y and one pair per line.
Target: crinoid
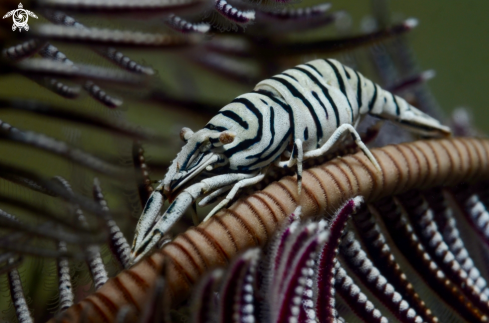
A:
x,y
73,174
408,230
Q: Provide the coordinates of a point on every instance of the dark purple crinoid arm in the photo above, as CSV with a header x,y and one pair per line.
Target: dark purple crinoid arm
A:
x,y
325,281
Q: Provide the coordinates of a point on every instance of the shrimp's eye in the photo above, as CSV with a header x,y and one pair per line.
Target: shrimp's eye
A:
x,y
227,137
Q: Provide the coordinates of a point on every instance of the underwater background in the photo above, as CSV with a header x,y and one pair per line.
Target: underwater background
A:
x,y
451,38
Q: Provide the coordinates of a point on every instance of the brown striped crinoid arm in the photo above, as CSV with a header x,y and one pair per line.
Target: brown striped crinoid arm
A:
x,y
253,220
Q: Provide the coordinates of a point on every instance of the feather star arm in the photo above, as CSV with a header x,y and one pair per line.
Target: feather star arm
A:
x,y
253,220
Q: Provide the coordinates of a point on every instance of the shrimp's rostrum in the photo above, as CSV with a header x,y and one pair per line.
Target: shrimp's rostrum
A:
x,y
298,114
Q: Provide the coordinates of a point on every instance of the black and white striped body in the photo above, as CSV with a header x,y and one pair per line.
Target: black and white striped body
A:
x,y
262,124
317,100
308,102
298,114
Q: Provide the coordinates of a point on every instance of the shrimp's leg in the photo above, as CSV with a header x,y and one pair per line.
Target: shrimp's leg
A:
x,y
150,212
234,190
296,157
146,239
335,137
214,195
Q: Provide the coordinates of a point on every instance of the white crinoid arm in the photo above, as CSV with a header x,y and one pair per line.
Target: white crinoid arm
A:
x,y
30,13
10,13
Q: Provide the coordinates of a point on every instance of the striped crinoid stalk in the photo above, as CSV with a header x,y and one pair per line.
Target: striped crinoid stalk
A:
x,y
94,84
403,248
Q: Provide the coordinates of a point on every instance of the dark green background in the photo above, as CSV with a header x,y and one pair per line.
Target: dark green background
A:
x,y
453,39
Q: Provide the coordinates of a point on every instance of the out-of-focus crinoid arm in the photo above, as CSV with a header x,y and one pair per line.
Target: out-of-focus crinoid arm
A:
x,y
47,67
144,8
253,220
108,37
283,48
